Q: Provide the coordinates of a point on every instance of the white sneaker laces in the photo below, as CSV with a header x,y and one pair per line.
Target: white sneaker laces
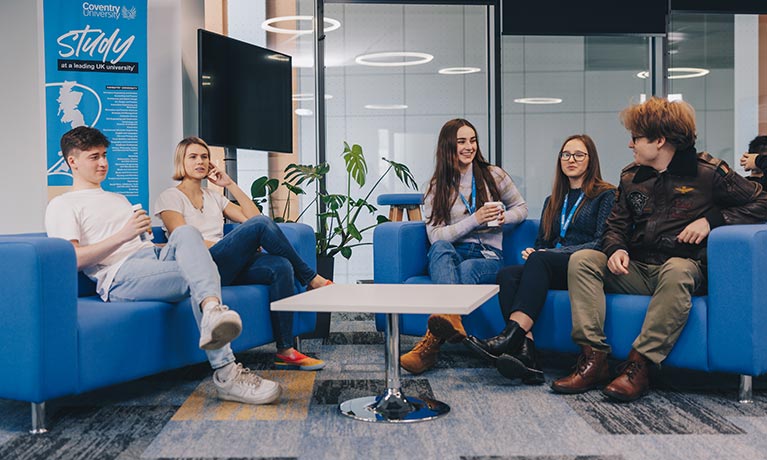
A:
x,y
247,376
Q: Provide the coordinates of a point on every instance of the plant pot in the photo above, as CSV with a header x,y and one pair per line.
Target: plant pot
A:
x,y
322,327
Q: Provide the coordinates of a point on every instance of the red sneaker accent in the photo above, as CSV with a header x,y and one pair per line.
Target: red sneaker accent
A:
x,y
299,362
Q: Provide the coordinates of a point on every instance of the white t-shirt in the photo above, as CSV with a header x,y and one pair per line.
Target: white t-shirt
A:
x,y
91,216
209,220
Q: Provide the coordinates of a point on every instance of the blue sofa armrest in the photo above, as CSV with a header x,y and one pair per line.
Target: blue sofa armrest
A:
x,y
737,305
38,344
517,238
399,251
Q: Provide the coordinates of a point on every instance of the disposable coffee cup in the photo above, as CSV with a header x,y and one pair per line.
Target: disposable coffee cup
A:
x,y
501,207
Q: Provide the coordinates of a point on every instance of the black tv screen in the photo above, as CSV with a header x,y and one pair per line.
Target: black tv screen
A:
x,y
245,94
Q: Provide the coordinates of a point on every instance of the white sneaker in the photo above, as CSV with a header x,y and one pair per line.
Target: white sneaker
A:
x,y
246,387
219,326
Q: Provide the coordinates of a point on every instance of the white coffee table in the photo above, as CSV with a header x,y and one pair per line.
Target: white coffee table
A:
x,y
391,299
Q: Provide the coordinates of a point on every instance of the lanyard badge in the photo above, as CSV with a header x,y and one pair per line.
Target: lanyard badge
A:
x,y
564,223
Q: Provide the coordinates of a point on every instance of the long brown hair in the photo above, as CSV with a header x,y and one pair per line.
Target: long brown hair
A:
x,y
447,175
592,186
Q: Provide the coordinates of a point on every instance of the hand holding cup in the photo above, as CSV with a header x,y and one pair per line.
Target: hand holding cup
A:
x,y
499,209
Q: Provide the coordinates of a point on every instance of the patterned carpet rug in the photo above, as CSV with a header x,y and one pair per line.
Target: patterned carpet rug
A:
x,y
175,415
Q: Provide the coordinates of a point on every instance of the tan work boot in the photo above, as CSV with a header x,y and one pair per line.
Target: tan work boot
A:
x,y
423,356
447,327
590,372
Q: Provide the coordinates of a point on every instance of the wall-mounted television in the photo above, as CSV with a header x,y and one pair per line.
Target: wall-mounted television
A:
x,y
245,94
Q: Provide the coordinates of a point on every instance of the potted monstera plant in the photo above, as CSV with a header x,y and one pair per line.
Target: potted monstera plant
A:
x,y
337,214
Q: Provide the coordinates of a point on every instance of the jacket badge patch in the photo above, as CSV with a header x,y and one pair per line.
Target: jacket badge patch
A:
x,y
684,189
637,200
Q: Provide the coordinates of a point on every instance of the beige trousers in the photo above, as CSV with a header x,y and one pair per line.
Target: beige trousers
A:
x,y
671,286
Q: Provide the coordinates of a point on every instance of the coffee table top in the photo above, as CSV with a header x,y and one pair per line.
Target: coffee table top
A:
x,y
390,298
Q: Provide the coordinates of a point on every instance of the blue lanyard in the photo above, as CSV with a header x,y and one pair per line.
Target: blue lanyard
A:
x,y
564,223
473,206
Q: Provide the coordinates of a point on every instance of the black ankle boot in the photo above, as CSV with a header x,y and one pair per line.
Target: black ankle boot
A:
x,y
508,341
522,365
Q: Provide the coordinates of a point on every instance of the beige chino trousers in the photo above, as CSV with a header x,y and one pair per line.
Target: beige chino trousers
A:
x,y
671,286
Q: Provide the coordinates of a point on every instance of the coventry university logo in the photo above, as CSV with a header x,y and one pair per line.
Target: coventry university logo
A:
x,y
107,11
129,13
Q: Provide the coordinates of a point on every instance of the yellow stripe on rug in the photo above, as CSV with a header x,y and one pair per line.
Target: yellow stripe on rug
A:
x,y
203,404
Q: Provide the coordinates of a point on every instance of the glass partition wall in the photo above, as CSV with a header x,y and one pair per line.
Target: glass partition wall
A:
x,y
554,87
395,72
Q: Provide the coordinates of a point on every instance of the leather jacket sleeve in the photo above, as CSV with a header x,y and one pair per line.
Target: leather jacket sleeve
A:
x,y
739,200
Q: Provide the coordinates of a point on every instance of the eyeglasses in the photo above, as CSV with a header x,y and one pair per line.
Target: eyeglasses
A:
x,y
634,138
578,156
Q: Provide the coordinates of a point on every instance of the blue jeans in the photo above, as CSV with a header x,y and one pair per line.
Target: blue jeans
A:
x,y
180,269
239,261
462,263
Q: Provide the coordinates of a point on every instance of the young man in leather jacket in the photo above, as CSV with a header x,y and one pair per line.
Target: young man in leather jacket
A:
x,y
668,201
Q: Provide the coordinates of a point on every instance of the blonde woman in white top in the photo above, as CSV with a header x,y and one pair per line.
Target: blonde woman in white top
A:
x,y
237,254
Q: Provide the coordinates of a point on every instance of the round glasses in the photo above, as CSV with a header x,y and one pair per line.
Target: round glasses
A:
x,y
578,156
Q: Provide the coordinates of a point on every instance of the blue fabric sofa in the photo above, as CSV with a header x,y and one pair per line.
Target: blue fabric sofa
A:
x,y
59,338
726,331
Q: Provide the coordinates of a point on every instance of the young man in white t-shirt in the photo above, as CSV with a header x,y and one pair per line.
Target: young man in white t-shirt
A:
x,y
106,234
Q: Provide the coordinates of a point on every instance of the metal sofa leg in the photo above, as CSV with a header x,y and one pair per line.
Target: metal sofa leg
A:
x,y
38,418
745,395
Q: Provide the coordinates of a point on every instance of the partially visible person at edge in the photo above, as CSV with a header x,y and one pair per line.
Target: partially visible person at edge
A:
x,y
755,160
573,218
105,232
464,249
237,254
669,199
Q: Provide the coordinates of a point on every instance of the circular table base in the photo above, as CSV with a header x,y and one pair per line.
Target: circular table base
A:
x,y
370,409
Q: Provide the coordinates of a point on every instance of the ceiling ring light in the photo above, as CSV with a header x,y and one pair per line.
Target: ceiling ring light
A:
x,y
267,25
386,106
680,73
458,70
369,59
538,100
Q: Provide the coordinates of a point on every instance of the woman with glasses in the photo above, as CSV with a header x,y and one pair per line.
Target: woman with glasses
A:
x,y
466,204
573,218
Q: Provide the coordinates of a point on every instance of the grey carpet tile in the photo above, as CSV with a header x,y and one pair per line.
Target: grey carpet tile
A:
x,y
660,412
91,432
349,316
546,457
354,338
337,391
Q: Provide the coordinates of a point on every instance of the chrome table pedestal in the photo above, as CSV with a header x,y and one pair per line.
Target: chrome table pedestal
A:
x,y
393,406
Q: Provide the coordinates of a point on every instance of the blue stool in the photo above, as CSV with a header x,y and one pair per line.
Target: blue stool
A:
x,y
399,203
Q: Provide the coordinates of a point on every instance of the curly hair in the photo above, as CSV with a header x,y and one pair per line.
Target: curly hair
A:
x,y
657,117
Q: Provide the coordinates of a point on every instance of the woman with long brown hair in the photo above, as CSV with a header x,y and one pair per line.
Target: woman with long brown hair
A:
x,y
466,204
573,218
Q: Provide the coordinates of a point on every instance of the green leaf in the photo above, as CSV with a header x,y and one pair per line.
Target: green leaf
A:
x,y
352,229
403,173
346,252
355,163
294,189
382,219
258,188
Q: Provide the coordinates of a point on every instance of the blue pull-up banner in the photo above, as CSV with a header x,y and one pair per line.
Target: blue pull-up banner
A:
x,y
95,75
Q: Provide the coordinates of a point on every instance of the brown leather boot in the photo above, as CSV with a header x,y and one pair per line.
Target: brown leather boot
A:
x,y
633,381
591,371
447,327
423,356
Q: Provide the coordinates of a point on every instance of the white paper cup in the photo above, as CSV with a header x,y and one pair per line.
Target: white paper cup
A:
x,y
500,206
